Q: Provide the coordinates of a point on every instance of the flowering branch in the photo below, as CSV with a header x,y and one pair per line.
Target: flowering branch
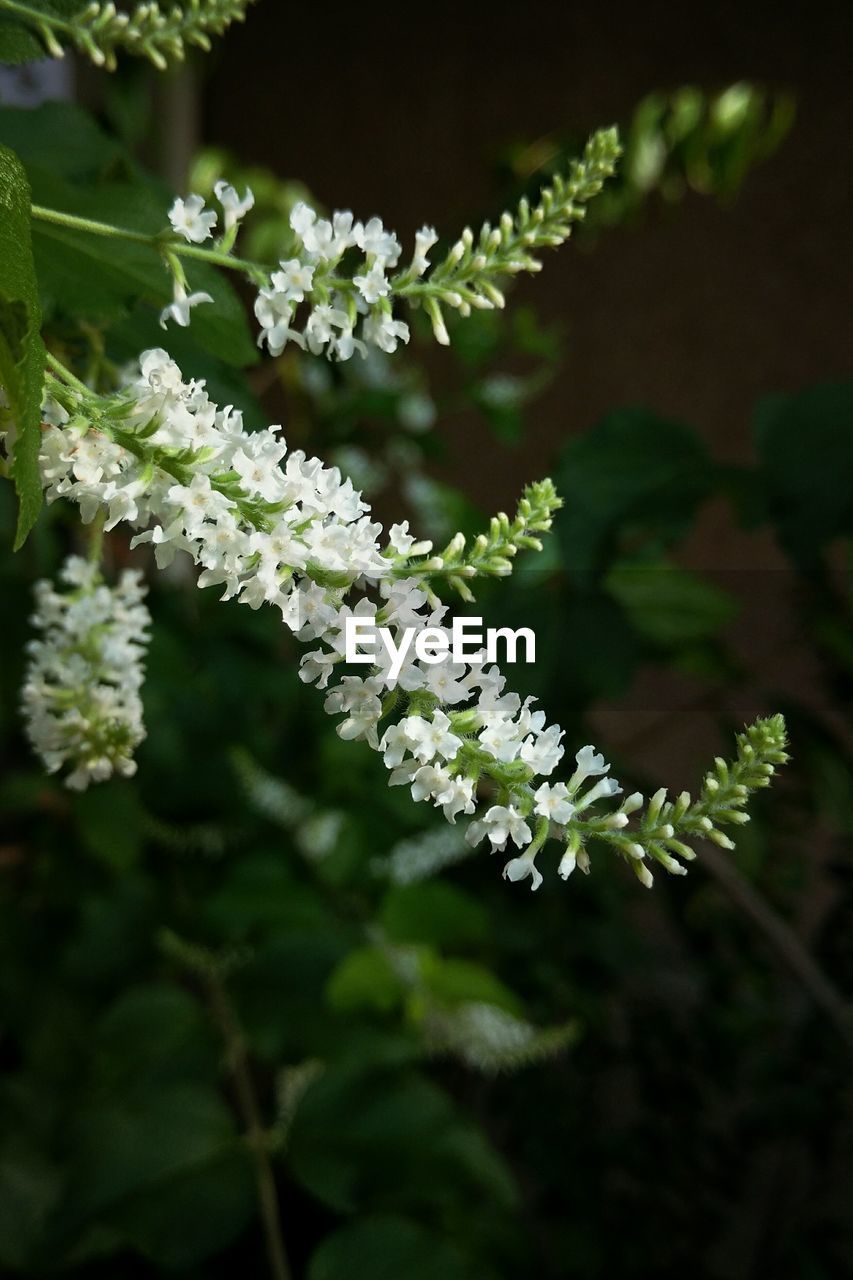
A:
x,y
100,30
664,825
339,268
165,459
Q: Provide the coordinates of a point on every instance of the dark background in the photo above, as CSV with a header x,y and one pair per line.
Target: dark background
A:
x,y
696,312
701,1124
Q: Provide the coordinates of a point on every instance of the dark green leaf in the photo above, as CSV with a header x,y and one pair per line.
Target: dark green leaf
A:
x,y
805,442
21,349
634,477
18,44
365,979
386,1247
668,605
434,913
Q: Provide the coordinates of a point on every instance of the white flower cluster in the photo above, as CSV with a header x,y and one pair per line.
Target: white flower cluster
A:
x,y
81,698
194,223
337,305
279,528
253,526
336,310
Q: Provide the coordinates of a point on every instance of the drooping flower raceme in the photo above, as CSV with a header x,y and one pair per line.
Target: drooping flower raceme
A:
x,y
81,699
269,526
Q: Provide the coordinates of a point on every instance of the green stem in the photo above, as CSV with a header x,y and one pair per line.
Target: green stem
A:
x,y
66,375
159,242
250,1113
96,537
37,16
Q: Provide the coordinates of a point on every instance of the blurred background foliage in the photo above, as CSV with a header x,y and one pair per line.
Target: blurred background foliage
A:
x,y
255,976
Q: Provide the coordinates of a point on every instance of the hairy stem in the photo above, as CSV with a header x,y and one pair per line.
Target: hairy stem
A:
x,y
160,243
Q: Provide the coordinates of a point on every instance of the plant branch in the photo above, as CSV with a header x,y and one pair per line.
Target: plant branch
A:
x,y
250,1114
161,243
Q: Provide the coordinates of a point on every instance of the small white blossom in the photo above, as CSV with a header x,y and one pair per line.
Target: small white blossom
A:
x,y
503,822
377,242
374,284
429,738
519,868
190,219
233,207
424,241
552,801
181,305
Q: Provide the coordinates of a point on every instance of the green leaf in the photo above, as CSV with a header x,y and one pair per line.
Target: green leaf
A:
x,y
634,477
103,280
364,1138
454,982
435,913
63,139
805,443
386,1247
129,1145
667,604
22,352
365,979
73,166
18,44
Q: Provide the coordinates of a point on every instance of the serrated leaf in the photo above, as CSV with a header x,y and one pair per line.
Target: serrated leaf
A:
x,y
22,354
63,139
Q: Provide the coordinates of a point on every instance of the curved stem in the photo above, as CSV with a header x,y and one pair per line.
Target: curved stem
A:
x,y
157,242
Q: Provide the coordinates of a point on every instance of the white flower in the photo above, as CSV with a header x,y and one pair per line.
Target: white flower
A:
x,y
374,285
399,538
444,679
344,345
181,305
377,242
544,752
323,239
502,739
589,765
384,331
293,280
607,787
503,822
552,801
395,743
232,206
457,797
272,527
429,738
430,781
190,219
322,322
518,868
424,241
